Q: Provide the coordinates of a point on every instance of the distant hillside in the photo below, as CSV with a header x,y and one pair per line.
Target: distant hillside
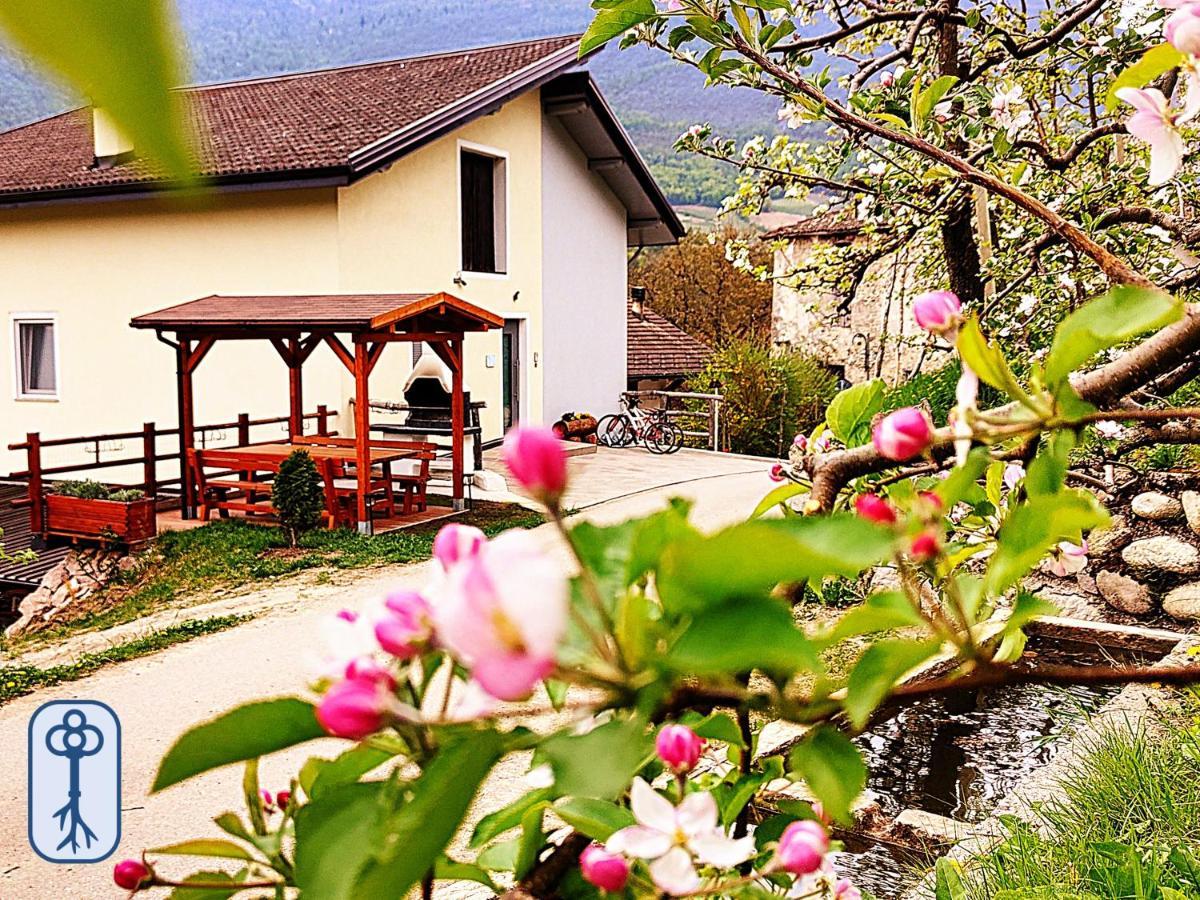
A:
x,y
230,39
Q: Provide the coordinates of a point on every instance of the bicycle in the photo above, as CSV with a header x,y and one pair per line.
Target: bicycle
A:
x,y
651,427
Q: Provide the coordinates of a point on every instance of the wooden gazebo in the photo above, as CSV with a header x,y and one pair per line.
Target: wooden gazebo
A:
x,y
295,326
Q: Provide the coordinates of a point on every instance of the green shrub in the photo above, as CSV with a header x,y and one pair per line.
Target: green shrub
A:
x,y
94,490
767,397
298,496
936,387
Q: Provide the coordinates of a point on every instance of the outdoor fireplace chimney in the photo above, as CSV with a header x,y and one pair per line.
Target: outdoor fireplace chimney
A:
x,y
110,146
637,302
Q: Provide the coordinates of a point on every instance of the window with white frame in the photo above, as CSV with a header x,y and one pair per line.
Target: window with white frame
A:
x,y
483,191
35,351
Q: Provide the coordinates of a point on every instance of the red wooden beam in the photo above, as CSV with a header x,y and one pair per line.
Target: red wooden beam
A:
x,y
197,355
362,434
340,351
295,389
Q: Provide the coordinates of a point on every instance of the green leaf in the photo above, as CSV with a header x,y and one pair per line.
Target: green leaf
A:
x,y
600,763
1035,526
612,22
752,558
718,726
209,893
533,838
121,56
247,732
1120,315
948,883
1154,62
988,362
206,847
1027,608
502,856
850,413
495,824
1048,471
598,819
878,670
742,792
932,95
348,767
778,497
737,637
832,768
420,829
446,869
880,612
337,836
962,479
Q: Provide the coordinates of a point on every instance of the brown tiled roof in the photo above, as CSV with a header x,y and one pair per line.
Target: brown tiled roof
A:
x,y
658,348
834,223
316,312
345,121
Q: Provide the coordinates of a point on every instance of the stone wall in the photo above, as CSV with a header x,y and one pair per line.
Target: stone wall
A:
x,y
876,339
65,590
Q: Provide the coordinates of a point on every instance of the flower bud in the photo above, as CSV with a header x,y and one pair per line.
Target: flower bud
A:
x,y
365,668
938,312
678,747
887,79
925,546
800,442
931,504
455,542
406,627
282,799
901,435
1182,30
607,871
536,459
268,802
874,508
777,473
354,708
845,890
802,847
131,874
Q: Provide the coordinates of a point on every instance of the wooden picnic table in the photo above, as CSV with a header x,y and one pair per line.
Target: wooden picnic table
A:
x,y
379,455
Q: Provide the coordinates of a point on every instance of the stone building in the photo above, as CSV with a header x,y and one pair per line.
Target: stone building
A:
x,y
863,332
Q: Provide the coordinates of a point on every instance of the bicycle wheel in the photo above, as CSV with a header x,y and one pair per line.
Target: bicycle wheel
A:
x,y
614,431
656,439
673,436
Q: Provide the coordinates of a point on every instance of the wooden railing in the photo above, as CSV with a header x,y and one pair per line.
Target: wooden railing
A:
x,y
704,422
37,472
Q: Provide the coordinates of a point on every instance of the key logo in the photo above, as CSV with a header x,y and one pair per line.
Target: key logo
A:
x,y
74,781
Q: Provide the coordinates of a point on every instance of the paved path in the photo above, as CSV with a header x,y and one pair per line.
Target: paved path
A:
x,y
159,696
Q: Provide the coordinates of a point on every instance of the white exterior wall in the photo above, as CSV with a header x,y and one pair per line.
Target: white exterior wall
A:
x,y
584,283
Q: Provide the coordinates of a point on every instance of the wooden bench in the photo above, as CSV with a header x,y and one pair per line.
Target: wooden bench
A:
x,y
414,485
233,489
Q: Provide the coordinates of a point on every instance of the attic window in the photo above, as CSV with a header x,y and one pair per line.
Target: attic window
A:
x,y
483,190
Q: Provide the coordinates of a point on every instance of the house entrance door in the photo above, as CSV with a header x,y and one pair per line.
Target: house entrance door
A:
x,y
511,359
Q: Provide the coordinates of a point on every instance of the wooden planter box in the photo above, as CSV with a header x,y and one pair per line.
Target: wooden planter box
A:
x,y
100,520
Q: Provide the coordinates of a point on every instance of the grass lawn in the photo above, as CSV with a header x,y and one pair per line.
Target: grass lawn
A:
x,y
231,553
1126,825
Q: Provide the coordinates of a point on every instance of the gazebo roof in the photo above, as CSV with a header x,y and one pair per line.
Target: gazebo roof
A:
x,y
354,313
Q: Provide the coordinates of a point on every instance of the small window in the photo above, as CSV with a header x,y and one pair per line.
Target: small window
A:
x,y
37,366
484,213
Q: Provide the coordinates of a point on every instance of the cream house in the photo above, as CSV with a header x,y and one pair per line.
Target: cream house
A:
x,y
499,175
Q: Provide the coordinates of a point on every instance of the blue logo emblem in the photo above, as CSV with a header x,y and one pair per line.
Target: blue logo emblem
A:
x,y
74,781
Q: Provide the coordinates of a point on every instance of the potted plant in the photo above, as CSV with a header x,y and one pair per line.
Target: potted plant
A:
x,y
93,511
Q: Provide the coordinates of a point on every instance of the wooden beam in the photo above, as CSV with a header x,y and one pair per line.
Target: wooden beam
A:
x,y
362,434
457,421
340,351
284,349
447,354
195,356
295,389
373,355
187,427
308,345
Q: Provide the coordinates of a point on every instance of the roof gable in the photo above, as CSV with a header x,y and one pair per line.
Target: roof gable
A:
x,y
658,348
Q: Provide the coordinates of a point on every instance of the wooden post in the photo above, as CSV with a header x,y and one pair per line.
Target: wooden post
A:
x,y
362,433
243,428
187,429
457,423
322,420
295,389
149,459
33,449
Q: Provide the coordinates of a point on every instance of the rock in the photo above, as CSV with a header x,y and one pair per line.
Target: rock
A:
x,y
1191,509
1124,593
1183,602
127,564
1086,583
1156,507
933,826
1162,554
1104,541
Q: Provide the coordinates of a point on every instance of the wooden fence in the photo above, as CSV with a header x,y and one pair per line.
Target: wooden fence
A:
x,y
36,472
701,412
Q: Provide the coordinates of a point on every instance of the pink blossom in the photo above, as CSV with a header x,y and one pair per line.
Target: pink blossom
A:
x,y
679,747
938,312
1182,30
777,473
800,442
406,626
925,546
674,837
887,79
874,508
536,459
455,542
1013,475
802,847
1068,559
503,613
901,435
845,890
367,668
354,708
131,874
605,870
1155,124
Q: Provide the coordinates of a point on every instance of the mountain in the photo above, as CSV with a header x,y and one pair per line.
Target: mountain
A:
x,y
229,39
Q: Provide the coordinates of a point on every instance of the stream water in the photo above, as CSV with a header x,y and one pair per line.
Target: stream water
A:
x,y
958,756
